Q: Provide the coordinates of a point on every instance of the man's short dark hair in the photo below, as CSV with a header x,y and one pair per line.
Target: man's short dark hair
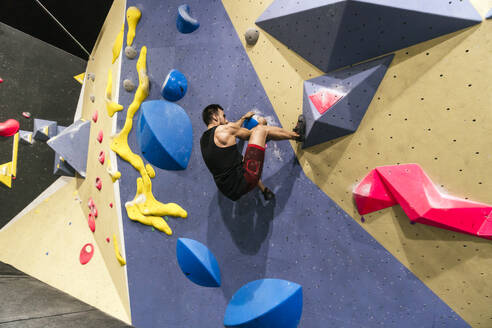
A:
x,y
209,112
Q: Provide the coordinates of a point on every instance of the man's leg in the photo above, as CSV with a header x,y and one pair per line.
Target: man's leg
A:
x,y
260,133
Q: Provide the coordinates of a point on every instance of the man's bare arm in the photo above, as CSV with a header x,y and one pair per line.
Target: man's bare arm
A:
x,y
240,122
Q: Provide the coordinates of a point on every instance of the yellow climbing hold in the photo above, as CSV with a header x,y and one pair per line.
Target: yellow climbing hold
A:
x,y
150,171
9,170
133,15
118,43
144,208
115,175
46,130
111,106
117,251
135,214
80,78
6,174
109,85
14,154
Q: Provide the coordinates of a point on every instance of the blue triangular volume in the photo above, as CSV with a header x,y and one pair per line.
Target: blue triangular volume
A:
x,y
355,86
265,303
72,143
197,262
333,34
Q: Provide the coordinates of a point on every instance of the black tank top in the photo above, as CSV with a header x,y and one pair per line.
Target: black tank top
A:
x,y
225,164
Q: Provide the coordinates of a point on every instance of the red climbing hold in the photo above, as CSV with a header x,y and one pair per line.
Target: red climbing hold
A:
x,y
372,195
26,114
107,239
101,157
324,100
99,183
95,116
409,186
111,205
1,80
86,253
94,211
100,136
91,203
92,222
9,128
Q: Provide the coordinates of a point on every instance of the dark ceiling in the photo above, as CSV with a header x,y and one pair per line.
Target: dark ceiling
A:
x,y
83,19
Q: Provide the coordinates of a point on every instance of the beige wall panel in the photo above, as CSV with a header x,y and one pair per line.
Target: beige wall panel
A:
x,y
108,221
46,242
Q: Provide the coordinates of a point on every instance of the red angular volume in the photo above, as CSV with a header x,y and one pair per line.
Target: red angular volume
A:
x,y
409,186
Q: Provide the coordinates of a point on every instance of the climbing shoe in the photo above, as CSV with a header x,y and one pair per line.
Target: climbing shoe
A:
x,y
268,194
300,128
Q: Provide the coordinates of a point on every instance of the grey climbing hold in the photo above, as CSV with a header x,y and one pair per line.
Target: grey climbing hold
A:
x,y
61,167
26,137
251,36
128,85
92,98
43,129
130,52
73,145
91,76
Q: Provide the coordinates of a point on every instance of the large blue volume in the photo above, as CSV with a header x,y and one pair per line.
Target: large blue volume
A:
x,y
335,33
165,134
265,303
355,86
174,86
197,263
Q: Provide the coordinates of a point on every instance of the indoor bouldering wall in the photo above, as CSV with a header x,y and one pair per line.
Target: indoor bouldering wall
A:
x,y
302,236
168,249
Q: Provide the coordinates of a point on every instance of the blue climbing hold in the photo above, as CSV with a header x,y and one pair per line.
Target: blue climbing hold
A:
x,y
198,263
165,134
185,23
272,303
250,123
174,86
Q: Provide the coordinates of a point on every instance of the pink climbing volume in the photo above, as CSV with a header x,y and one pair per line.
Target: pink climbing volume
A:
x,y
9,128
324,100
409,186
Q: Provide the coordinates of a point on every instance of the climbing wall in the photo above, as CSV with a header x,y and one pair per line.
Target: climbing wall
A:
x,y
45,239
430,109
302,236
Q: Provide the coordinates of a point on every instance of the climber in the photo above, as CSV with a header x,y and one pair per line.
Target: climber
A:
x,y
233,175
